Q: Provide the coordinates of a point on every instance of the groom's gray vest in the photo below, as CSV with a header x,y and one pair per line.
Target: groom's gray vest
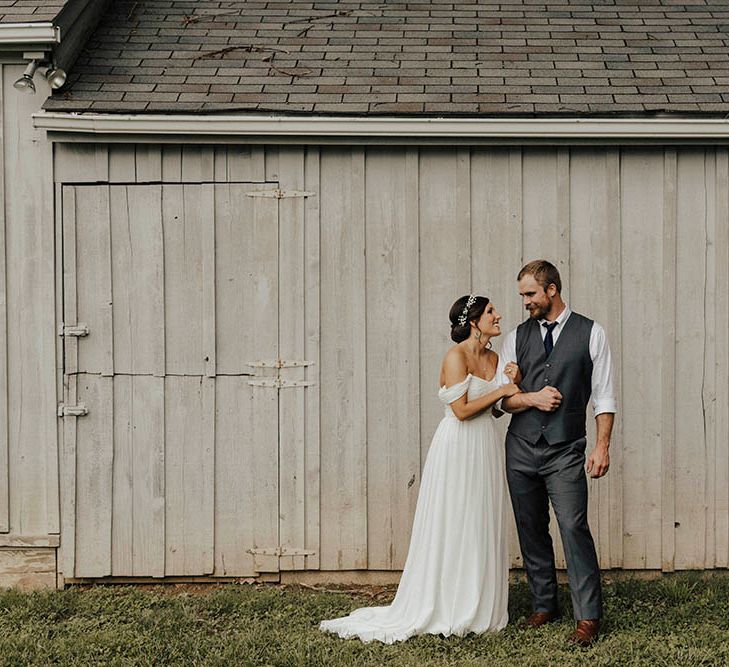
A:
x,y
568,368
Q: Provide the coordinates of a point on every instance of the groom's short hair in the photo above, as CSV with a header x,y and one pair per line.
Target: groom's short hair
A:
x,y
544,272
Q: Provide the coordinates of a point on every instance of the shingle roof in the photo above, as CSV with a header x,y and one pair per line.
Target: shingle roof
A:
x,y
25,11
415,57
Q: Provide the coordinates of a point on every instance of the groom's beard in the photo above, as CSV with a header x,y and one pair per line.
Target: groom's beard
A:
x,y
538,312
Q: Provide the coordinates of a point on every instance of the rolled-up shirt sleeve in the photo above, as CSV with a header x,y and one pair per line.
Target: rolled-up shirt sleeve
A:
x,y
506,354
603,392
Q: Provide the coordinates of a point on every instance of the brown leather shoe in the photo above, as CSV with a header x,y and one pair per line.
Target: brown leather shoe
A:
x,y
540,618
586,633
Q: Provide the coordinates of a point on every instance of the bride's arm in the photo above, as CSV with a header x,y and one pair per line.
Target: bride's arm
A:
x,y
454,371
546,400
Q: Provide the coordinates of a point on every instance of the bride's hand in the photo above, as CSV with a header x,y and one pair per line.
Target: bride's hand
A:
x,y
513,372
510,389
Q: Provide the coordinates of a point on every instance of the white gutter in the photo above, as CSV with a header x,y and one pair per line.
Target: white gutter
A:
x,y
29,33
373,126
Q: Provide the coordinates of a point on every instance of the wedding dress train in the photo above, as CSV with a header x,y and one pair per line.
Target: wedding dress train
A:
x,y
455,579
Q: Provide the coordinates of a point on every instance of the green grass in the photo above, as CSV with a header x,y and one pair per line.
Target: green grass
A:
x,y
680,620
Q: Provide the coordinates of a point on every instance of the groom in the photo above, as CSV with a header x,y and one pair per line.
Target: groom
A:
x,y
564,358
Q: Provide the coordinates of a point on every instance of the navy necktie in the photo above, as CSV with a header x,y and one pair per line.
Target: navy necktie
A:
x,y
548,340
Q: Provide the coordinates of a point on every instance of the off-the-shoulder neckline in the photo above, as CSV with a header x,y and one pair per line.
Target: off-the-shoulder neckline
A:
x,y
468,377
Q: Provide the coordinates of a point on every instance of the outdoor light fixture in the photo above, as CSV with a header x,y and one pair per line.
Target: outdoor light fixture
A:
x,y
56,77
25,82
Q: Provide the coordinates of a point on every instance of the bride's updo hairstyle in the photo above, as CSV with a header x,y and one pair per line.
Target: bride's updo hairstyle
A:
x,y
460,332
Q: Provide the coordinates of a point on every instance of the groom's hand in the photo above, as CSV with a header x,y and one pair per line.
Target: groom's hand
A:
x,y
547,399
598,462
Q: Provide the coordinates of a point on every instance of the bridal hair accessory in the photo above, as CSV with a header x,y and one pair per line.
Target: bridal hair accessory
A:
x,y
463,317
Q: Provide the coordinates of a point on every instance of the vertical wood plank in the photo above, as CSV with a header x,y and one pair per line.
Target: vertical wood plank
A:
x,y
171,163
59,360
312,326
709,390
496,230
393,438
668,367
613,329
198,163
688,389
67,551
4,443
205,532
220,164
148,163
292,276
445,241
185,215
343,355
48,304
94,279
546,209
271,163
148,475
138,279
189,469
94,458
246,455
122,163
642,201
247,164
122,534
208,279
594,267
70,313
721,424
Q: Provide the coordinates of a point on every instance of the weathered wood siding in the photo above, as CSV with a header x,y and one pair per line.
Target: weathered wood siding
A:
x,y
29,490
182,466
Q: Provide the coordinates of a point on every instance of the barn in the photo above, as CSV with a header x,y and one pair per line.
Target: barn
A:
x,y
232,238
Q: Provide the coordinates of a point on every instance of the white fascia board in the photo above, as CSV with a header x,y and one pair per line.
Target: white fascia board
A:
x,y
29,33
395,127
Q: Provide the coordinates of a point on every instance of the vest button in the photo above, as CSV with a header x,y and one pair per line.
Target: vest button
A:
x,y
544,428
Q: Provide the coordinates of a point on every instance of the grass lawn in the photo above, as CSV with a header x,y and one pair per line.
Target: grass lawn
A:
x,y
680,620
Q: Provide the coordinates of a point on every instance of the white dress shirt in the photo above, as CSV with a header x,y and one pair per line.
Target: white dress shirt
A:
x,y
603,394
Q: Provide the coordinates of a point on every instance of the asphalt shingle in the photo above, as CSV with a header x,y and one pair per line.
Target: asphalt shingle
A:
x,y
25,11
415,57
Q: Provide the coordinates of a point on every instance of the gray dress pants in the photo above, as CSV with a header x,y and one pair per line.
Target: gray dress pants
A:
x,y
537,474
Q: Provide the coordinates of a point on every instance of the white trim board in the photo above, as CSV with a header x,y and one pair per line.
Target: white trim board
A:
x,y
383,127
29,33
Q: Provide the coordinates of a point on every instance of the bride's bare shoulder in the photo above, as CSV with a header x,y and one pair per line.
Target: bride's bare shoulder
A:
x,y
454,361
455,354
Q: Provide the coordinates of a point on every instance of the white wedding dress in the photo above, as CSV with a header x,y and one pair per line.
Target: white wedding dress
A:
x,y
455,579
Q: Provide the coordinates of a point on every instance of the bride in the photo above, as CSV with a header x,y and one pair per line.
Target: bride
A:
x,y
455,579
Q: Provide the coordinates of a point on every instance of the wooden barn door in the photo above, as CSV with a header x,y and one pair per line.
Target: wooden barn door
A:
x,y
176,390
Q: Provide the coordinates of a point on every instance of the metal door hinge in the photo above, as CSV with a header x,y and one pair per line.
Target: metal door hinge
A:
x,y
281,551
278,383
279,363
73,329
72,410
280,194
